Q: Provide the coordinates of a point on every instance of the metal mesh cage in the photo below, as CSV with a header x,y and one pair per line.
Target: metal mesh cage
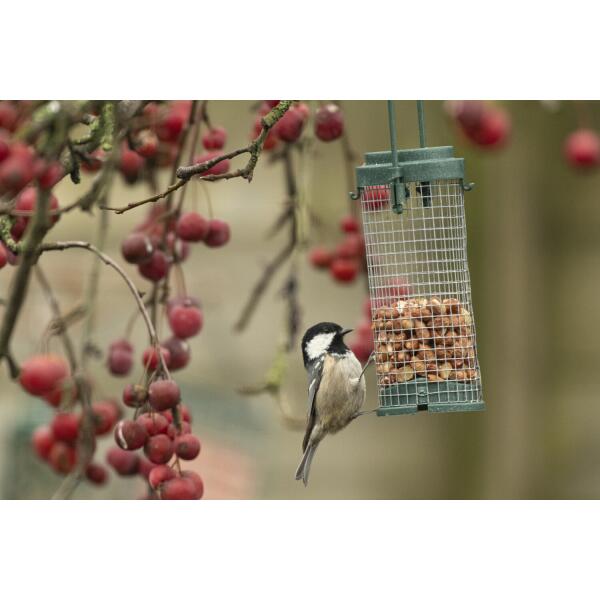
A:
x,y
422,314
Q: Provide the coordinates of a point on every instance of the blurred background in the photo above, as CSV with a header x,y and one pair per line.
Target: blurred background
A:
x,y
534,255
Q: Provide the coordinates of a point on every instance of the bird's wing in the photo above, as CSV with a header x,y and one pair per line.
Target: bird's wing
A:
x,y
315,372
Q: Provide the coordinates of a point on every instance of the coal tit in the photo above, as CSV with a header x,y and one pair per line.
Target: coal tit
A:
x,y
336,387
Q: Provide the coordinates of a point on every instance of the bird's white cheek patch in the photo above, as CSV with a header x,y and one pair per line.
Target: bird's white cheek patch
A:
x,y
318,345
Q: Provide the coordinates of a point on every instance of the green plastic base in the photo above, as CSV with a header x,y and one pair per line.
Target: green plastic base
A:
x,y
419,395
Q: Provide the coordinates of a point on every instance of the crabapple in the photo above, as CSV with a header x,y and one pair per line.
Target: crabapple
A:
x,y
180,352
130,435
320,257
192,227
156,268
185,321
218,233
329,122
163,394
153,423
582,148
96,473
62,457
123,461
65,427
43,373
187,446
43,440
159,449
136,248
159,475
180,488
150,358
344,270
214,138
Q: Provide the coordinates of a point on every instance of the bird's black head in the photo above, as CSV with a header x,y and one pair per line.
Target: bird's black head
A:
x,y
322,338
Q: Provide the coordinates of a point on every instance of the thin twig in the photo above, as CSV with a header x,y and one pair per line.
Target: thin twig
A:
x,y
186,173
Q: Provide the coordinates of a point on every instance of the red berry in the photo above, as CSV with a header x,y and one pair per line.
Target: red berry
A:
x,y
159,475
4,149
329,122
182,301
123,461
159,449
196,480
106,414
163,394
130,164
65,427
180,488
94,161
184,411
289,127
147,144
64,391
376,197
51,175
218,233
492,130
153,423
173,432
350,224
344,270
120,361
171,125
185,321
144,467
43,373
191,227
43,440
215,138
187,446
320,257
96,474
130,435
121,344
27,201
180,353
156,268
9,116
17,170
219,169
62,457
468,113
582,148
150,358
136,248
134,395
3,255
353,246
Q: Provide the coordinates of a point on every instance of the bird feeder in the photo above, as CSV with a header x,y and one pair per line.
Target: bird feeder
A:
x,y
412,204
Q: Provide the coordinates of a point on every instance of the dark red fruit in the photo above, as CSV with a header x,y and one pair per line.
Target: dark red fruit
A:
x,y
106,414
350,224
43,373
137,248
218,233
215,138
163,394
144,467
196,480
320,257
51,175
376,197
191,227
182,301
271,141
159,475
27,201
218,169
134,395
122,461
43,440
65,427
130,435
3,255
180,488
180,353
187,446
582,148
153,423
184,411
17,170
147,144
130,164
150,359
64,391
159,449
156,268
96,473
121,344
171,125
289,127
344,270
353,246
93,162
173,432
62,457
329,122
185,321
9,116
4,148
493,128
120,362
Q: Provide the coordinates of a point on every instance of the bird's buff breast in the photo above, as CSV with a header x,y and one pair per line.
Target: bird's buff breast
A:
x,y
340,395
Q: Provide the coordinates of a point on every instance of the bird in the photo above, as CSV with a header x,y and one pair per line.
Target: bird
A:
x,y
336,387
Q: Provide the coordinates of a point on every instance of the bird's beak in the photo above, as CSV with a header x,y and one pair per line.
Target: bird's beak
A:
x,y
345,331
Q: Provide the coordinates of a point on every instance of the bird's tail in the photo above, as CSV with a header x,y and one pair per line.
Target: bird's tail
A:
x,y
303,469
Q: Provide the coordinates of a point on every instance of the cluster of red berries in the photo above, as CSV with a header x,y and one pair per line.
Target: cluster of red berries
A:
x,y
346,260
162,440
484,124
47,376
328,123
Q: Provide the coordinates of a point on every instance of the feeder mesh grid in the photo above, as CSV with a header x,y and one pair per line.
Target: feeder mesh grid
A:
x,y
423,325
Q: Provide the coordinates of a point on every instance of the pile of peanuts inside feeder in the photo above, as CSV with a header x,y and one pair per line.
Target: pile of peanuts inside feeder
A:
x,y
425,338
